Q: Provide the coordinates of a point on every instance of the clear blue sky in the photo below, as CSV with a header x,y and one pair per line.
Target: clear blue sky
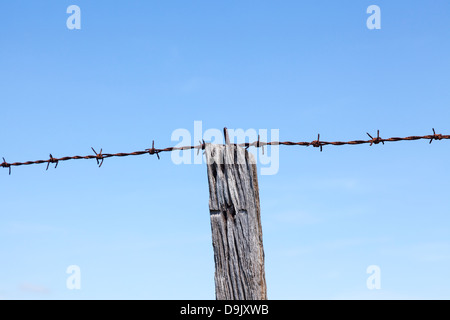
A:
x,y
138,70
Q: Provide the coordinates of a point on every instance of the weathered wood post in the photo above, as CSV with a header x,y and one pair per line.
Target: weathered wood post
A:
x,y
235,223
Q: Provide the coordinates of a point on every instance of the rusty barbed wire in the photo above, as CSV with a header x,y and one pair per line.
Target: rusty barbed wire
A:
x,y
100,157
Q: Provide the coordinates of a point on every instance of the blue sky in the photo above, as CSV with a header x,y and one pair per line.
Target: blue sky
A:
x,y
139,228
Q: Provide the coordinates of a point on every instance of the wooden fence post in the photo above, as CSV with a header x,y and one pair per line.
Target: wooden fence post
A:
x,y
235,223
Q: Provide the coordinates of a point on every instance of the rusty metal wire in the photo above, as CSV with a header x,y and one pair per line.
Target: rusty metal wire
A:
x,y
100,157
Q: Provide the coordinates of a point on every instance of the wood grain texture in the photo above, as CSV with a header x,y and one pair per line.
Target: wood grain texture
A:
x,y
235,223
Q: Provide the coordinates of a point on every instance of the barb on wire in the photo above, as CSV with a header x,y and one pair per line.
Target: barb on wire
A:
x,y
99,157
201,146
6,165
52,160
258,144
317,143
153,150
376,140
435,136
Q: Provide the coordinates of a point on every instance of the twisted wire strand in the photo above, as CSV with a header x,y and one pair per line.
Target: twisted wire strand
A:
x,y
100,156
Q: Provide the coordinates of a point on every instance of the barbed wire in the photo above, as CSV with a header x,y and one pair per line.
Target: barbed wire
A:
x,y
100,156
